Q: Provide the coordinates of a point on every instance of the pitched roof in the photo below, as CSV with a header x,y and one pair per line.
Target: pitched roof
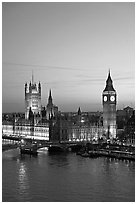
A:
x,y
109,84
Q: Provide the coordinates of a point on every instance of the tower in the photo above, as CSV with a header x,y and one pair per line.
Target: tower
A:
x,y
79,115
32,98
50,99
79,111
109,109
50,111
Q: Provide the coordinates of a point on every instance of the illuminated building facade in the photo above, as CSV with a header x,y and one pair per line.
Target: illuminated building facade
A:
x,y
7,128
85,132
109,98
32,98
76,127
35,125
27,129
48,124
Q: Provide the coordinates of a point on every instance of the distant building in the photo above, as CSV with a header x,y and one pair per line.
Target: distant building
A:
x,y
109,109
130,130
123,116
128,111
125,112
126,125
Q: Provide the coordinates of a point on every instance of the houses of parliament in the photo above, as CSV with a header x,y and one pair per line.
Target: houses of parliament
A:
x,y
33,107
48,123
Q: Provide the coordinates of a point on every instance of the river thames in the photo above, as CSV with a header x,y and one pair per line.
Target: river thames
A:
x,y
66,177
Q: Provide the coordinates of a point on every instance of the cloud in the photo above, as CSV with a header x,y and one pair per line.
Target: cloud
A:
x,y
123,78
42,66
88,79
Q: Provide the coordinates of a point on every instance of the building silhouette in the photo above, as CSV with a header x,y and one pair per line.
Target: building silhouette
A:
x,y
126,125
109,99
47,123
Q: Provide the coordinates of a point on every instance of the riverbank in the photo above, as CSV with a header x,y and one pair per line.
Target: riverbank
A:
x,y
90,150
108,150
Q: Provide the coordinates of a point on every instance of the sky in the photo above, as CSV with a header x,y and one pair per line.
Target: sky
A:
x,y
70,47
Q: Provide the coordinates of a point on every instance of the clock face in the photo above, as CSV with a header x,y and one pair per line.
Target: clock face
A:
x,y
105,98
112,98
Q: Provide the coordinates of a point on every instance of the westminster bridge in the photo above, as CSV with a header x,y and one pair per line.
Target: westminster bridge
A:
x,y
14,141
10,142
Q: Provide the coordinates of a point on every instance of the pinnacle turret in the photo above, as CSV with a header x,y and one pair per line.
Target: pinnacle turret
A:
x,y
79,111
25,87
50,98
32,77
39,87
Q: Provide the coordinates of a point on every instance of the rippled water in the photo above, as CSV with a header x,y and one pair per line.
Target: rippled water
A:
x,y
66,177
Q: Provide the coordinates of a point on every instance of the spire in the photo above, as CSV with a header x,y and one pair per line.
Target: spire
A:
x,y
30,114
109,71
39,87
109,74
25,87
109,83
79,111
32,77
50,94
50,98
109,80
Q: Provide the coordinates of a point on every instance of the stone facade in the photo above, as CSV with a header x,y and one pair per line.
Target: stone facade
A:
x,y
32,99
27,129
109,98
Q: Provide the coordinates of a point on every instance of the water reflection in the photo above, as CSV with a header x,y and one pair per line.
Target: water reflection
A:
x,y
10,154
23,183
59,159
67,177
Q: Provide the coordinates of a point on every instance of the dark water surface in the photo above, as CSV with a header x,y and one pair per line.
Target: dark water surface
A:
x,y
66,177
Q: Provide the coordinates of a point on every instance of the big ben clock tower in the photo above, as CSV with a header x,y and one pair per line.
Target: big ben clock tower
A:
x,y
109,109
